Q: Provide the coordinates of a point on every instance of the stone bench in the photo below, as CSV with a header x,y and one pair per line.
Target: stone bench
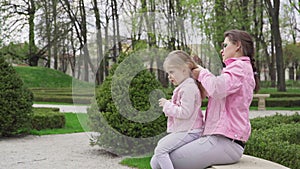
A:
x,y
261,100
250,162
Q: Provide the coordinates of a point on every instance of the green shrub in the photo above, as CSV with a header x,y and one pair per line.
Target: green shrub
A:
x,y
15,101
122,111
47,119
276,138
274,121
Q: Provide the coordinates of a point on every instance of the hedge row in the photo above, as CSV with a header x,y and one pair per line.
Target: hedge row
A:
x,y
62,99
280,95
64,95
47,119
277,139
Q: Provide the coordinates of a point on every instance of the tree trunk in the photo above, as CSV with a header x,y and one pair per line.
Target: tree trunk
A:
x,y
219,25
274,14
55,34
48,32
100,70
33,59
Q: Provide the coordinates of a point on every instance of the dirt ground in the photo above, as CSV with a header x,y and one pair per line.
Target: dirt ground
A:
x,y
65,151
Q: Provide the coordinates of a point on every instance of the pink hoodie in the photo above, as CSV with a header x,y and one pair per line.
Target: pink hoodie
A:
x,y
230,96
184,110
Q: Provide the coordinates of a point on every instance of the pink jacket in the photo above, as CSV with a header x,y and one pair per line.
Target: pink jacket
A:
x,y
184,110
230,96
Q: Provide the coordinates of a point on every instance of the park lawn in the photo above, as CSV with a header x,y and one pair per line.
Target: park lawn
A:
x,y
75,122
140,162
42,77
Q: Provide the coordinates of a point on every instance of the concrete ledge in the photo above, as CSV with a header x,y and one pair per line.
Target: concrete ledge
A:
x,y
250,162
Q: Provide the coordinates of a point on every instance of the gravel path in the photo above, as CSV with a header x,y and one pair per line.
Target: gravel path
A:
x,y
66,151
63,151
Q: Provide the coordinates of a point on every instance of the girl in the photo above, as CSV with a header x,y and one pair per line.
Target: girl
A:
x,y
185,119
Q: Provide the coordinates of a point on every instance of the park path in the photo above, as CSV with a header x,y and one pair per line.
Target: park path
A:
x,y
83,109
65,108
61,151
66,151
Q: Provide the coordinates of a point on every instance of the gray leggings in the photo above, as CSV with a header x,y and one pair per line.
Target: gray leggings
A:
x,y
161,158
206,151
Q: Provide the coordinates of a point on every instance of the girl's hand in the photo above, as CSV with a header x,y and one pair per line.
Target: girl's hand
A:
x,y
162,102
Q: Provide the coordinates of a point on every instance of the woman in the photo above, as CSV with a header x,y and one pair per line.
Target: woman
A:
x,y
227,124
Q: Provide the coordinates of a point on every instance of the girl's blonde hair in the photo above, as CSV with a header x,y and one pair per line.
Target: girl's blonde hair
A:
x,y
179,58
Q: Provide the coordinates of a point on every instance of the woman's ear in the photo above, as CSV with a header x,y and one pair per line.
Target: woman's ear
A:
x,y
238,46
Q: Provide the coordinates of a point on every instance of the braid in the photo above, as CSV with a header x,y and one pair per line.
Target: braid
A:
x,y
256,75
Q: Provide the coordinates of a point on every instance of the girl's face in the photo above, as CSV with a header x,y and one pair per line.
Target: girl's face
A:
x,y
177,75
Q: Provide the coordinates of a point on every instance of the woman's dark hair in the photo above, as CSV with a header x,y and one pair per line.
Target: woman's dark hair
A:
x,y
247,46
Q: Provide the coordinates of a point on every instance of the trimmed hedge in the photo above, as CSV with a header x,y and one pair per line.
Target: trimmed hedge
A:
x,y
62,99
15,102
47,119
277,139
63,95
118,133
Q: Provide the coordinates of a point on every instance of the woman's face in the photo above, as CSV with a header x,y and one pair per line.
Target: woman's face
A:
x,y
228,49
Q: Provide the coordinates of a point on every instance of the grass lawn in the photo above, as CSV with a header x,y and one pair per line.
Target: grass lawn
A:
x,y
36,77
141,163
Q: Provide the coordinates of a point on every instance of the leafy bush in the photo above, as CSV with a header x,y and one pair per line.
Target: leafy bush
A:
x,y
15,100
276,138
124,109
47,119
274,121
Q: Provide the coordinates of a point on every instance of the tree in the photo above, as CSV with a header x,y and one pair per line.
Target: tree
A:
x,y
15,53
292,60
28,9
80,26
273,11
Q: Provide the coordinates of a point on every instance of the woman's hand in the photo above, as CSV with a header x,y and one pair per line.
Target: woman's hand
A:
x,y
162,102
196,72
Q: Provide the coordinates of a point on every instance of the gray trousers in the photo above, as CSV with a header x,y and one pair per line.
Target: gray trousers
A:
x,y
206,151
161,158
